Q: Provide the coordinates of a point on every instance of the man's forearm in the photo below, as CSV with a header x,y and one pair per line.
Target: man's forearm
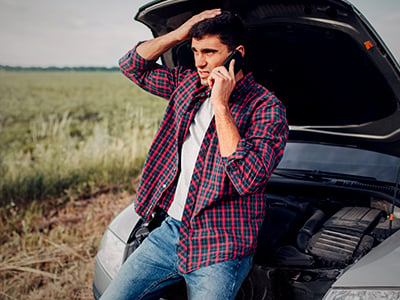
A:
x,y
227,131
153,49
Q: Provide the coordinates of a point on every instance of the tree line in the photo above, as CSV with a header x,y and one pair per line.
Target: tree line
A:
x,y
63,69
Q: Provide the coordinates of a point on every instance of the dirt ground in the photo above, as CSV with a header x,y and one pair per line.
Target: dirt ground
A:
x,y
47,250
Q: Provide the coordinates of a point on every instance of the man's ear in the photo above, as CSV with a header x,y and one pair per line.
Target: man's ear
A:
x,y
241,49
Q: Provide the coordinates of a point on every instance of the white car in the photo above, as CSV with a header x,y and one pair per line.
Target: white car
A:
x,y
331,227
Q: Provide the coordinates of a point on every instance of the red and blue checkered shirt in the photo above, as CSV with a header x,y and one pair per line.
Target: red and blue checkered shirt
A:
x,y
226,200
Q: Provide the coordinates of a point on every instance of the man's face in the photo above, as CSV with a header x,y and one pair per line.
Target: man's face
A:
x,y
209,53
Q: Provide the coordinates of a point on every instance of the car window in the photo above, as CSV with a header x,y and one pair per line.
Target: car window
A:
x,y
346,160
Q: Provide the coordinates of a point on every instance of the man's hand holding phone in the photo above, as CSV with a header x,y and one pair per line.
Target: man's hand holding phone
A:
x,y
222,80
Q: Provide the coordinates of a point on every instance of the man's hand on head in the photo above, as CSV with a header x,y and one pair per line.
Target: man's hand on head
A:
x,y
152,49
182,32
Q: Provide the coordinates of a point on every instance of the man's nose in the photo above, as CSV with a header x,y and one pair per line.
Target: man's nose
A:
x,y
200,61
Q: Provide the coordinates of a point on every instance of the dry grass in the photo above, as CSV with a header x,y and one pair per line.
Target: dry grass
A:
x,y
47,249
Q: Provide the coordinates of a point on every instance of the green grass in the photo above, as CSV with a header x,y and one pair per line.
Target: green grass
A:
x,y
69,133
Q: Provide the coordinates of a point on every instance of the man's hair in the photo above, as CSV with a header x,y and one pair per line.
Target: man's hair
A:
x,y
227,26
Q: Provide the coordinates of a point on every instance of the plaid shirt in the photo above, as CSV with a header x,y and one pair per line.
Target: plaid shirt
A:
x,y
226,200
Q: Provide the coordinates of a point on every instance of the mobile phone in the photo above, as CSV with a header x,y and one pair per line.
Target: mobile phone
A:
x,y
237,56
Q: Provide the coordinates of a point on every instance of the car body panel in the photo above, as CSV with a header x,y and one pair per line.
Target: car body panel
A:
x,y
125,222
378,269
101,279
121,228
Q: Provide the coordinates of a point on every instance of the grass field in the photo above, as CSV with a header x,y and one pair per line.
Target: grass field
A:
x,y
72,145
71,132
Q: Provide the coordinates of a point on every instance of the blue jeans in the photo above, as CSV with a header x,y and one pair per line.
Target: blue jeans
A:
x,y
153,266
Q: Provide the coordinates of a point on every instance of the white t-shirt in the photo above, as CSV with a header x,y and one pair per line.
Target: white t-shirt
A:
x,y
190,151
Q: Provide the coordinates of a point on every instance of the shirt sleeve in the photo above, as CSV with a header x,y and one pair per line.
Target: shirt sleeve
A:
x,y
152,77
260,150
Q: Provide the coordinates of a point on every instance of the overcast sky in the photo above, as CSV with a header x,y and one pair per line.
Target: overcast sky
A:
x,y
98,32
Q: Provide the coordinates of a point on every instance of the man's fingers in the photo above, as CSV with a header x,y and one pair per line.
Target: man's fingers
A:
x,y
207,14
232,67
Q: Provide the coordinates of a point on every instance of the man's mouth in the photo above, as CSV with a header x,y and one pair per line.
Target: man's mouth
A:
x,y
203,74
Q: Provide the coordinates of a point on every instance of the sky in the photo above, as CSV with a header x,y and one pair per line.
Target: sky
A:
x,y
98,32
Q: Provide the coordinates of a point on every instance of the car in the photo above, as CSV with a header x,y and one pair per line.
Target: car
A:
x,y
331,229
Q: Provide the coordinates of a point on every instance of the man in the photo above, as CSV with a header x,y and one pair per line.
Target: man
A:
x,y
221,137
